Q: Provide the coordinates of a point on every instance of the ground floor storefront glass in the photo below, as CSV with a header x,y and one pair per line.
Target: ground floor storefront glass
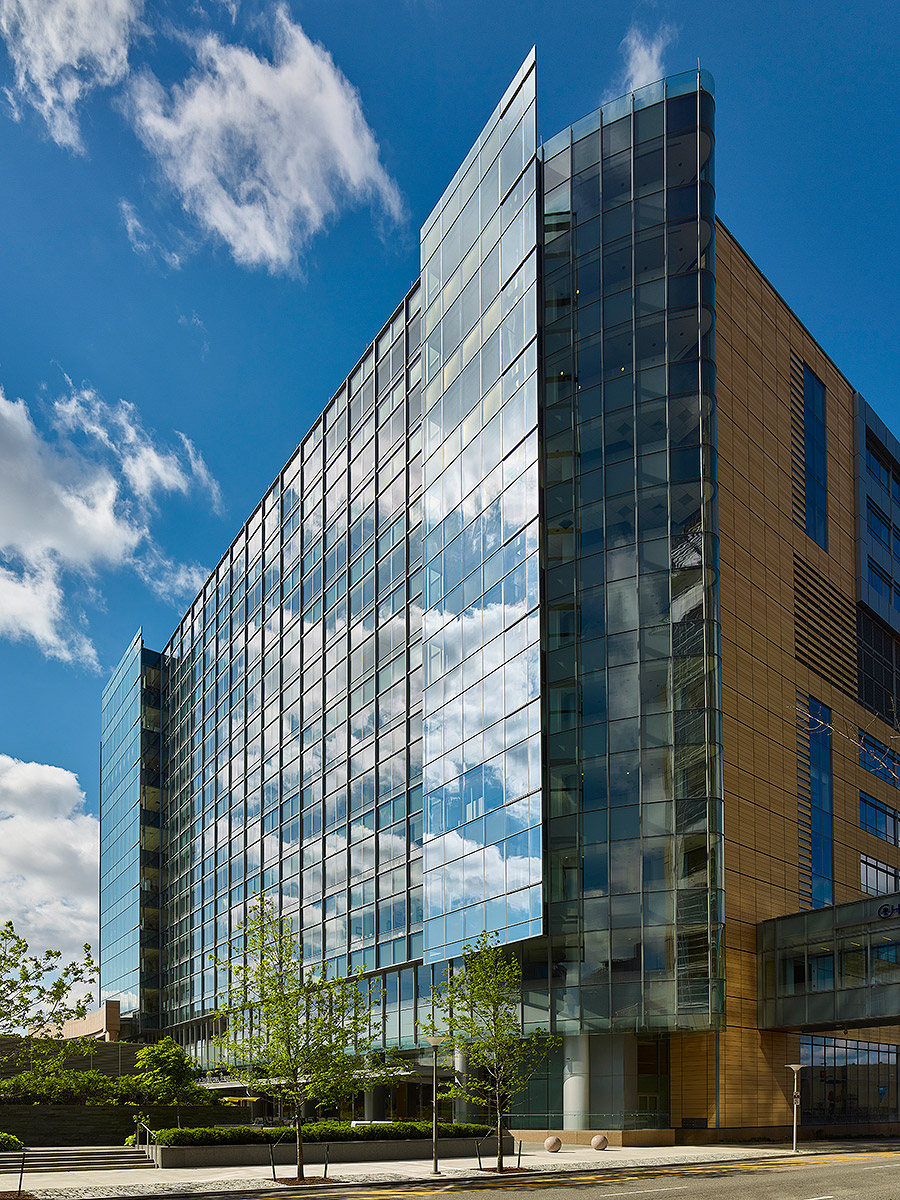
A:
x,y
845,1081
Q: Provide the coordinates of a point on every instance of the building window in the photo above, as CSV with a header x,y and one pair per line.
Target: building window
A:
x,y
877,878
820,803
878,651
879,759
878,819
879,581
878,462
879,524
847,1081
815,458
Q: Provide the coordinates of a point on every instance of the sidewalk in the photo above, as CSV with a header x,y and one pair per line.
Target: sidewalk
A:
x,y
92,1185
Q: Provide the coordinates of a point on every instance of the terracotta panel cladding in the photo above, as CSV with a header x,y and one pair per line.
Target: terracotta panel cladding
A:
x,y
788,629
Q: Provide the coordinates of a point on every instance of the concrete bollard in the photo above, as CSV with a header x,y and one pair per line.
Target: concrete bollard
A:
x,y
552,1144
599,1141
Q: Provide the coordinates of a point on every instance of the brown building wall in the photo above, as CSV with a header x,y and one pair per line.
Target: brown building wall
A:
x,y
104,1023
786,604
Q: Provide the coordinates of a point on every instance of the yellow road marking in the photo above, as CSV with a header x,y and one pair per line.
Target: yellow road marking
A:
x,y
603,1175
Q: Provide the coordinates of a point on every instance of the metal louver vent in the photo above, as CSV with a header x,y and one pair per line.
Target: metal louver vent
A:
x,y
798,444
824,628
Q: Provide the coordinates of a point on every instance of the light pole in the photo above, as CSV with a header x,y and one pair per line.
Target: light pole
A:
x,y
434,1043
796,1068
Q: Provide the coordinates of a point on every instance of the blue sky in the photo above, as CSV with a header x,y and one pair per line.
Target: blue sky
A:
x,y
208,208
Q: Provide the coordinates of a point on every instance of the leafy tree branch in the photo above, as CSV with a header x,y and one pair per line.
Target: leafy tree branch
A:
x,y
294,1030
39,993
477,1011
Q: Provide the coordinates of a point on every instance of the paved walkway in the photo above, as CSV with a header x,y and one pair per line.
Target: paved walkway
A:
x,y
92,1185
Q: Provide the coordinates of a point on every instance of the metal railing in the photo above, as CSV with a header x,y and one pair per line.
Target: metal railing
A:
x,y
139,1125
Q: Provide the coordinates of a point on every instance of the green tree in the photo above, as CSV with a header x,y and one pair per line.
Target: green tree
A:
x,y
294,1030
38,994
59,1087
165,1073
478,1012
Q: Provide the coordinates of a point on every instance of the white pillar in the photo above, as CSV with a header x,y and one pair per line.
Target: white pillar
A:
x,y
460,1070
576,1081
374,1103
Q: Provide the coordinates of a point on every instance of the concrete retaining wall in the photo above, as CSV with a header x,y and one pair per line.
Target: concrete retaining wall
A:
x,y
100,1124
314,1153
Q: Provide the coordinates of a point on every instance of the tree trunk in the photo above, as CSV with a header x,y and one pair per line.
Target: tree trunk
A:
x,y
300,1174
499,1141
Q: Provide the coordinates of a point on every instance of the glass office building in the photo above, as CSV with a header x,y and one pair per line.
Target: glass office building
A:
x,y
462,669
481,625
130,824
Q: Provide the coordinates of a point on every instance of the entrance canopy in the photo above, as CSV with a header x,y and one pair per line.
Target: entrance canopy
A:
x,y
833,967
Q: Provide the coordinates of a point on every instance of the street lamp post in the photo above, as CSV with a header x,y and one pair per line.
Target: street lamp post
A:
x,y
796,1068
434,1043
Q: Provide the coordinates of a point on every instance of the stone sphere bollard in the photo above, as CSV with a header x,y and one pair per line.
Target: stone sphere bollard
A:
x,y
599,1141
552,1144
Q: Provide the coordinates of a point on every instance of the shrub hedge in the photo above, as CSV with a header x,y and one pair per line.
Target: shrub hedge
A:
x,y
9,1141
87,1087
314,1131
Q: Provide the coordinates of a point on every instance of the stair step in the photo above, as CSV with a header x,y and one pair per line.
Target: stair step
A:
x,y
36,1153
75,1158
49,1168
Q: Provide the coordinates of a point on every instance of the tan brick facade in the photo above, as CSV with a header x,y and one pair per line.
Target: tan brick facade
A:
x,y
765,556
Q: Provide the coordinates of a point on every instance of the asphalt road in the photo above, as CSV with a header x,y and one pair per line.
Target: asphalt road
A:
x,y
866,1175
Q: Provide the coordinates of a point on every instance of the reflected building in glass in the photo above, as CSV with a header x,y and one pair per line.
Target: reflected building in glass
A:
x,y
531,635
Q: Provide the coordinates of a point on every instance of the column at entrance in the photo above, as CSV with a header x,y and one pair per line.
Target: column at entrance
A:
x,y
576,1081
460,1104
374,1103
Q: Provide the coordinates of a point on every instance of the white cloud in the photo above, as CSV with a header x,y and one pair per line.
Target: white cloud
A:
x,y
643,54
48,857
231,7
195,323
167,579
118,427
31,607
262,153
78,503
53,504
15,110
63,49
200,471
142,240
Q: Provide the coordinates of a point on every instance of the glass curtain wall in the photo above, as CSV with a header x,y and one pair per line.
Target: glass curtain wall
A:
x,y
481,638
633,710
130,836
363,670
292,703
